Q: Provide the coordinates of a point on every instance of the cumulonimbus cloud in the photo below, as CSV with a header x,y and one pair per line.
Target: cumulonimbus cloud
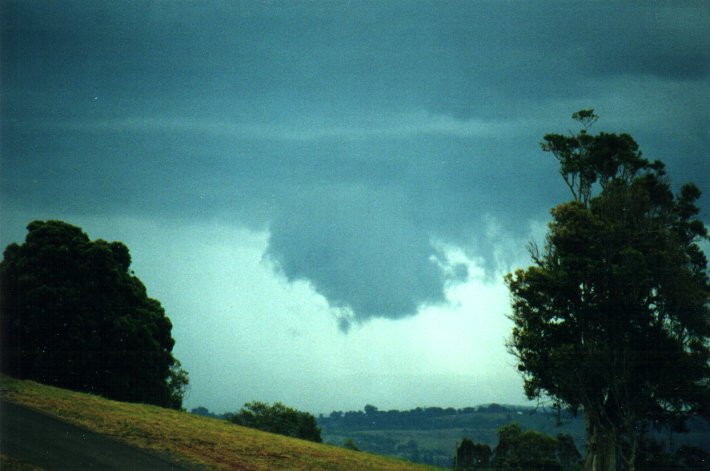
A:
x,y
360,251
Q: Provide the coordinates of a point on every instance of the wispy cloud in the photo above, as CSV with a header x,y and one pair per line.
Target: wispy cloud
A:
x,y
402,125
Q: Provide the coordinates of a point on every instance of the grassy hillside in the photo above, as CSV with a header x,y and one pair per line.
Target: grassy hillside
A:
x,y
188,437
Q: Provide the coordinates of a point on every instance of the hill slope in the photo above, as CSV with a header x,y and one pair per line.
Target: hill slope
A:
x,y
210,442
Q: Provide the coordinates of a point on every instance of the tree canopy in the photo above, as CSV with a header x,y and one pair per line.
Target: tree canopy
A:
x,y
470,455
613,316
75,316
277,418
531,450
527,450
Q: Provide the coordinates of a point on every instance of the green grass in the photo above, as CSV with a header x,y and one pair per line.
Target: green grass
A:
x,y
186,437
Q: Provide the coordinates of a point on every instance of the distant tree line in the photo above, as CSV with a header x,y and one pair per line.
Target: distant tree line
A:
x,y
371,418
75,316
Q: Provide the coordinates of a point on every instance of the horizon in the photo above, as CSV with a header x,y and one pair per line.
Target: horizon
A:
x,y
325,414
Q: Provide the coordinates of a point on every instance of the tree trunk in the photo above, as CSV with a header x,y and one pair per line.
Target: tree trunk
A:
x,y
601,454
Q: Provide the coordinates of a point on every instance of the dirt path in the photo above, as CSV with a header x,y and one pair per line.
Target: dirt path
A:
x,y
55,445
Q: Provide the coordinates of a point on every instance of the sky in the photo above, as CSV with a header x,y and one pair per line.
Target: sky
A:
x,y
325,196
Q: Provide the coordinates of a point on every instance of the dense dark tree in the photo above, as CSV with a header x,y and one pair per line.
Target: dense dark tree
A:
x,y
613,316
533,451
688,457
567,454
74,316
470,455
279,419
653,456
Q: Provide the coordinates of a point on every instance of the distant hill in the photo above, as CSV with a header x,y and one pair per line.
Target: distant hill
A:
x,y
430,435
214,443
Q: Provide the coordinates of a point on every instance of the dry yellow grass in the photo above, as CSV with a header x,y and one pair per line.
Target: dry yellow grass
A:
x,y
214,443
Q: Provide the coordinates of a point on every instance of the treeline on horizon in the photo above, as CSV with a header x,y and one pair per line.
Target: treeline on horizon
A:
x,y
433,418
421,418
409,418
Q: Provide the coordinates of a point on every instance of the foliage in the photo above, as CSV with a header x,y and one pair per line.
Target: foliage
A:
x,y
203,411
653,456
178,385
531,450
278,418
519,450
613,316
75,316
688,457
470,455
567,454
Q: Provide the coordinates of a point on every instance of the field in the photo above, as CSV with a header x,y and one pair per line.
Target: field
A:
x,y
186,437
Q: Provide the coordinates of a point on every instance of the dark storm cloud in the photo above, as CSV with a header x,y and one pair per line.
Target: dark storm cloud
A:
x,y
356,133
359,251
